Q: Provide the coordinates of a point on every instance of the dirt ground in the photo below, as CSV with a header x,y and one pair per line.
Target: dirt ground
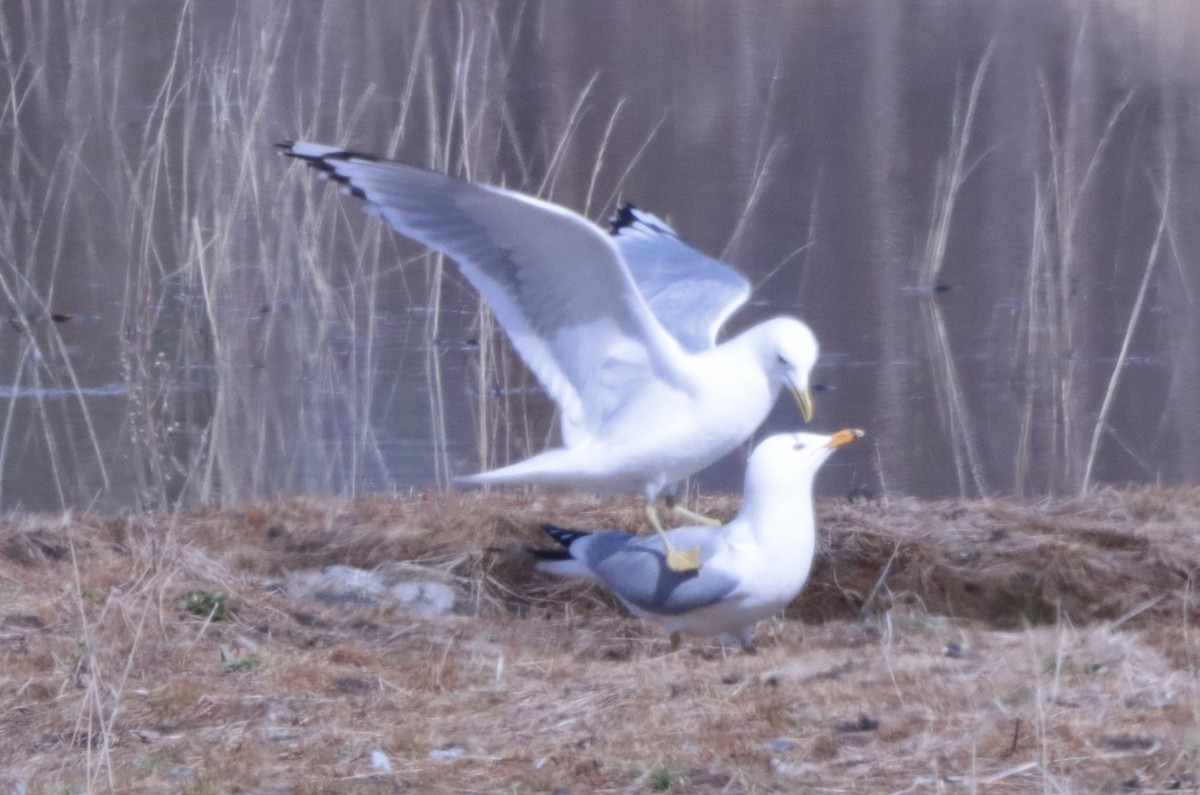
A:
x,y
985,646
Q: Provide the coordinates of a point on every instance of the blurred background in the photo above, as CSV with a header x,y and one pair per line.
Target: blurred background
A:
x,y
985,210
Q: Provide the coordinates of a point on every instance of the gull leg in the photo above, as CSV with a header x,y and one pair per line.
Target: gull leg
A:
x,y
675,639
676,560
692,516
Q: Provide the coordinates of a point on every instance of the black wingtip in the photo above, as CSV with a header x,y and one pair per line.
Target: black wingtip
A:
x,y
550,554
289,150
623,218
325,162
316,161
562,535
628,217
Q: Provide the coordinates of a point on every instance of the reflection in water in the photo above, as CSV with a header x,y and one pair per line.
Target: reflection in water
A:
x,y
952,405
983,209
52,392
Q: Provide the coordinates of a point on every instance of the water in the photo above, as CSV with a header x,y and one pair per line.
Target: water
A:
x,y
983,209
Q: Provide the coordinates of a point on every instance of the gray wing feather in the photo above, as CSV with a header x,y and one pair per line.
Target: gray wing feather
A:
x,y
691,295
555,281
634,567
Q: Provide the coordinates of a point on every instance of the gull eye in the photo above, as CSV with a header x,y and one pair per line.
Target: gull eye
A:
x,y
779,357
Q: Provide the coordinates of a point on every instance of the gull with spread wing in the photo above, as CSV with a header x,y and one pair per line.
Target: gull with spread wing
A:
x,y
620,328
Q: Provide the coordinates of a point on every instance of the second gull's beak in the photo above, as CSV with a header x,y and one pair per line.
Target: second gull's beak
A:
x,y
845,436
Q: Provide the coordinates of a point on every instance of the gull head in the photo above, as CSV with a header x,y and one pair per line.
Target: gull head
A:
x,y
788,462
793,349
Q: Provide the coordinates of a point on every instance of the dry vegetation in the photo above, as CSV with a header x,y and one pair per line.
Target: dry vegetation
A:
x,y
982,646
976,647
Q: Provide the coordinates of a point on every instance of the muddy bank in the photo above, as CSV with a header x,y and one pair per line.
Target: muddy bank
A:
x,y
992,645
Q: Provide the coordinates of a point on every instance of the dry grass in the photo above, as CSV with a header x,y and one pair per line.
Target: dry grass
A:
x,y
1002,648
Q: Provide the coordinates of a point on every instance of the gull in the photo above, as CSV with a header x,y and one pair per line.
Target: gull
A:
x,y
751,568
619,327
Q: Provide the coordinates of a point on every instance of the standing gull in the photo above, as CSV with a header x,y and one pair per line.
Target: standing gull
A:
x,y
751,568
619,328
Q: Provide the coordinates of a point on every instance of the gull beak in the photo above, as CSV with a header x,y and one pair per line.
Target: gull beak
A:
x,y
845,436
803,400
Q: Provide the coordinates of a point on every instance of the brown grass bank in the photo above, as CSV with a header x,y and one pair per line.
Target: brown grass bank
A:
x,y
983,646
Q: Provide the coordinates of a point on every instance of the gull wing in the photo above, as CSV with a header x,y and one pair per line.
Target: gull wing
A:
x,y
556,282
635,568
691,295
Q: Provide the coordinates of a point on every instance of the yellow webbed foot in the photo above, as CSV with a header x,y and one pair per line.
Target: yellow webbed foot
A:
x,y
677,560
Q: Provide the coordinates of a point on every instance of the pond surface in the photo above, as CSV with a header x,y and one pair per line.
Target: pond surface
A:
x,y
986,211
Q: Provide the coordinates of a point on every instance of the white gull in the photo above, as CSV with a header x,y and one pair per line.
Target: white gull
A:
x,y
620,328
750,569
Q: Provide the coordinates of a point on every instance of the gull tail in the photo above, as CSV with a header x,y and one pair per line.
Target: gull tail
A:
x,y
553,467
